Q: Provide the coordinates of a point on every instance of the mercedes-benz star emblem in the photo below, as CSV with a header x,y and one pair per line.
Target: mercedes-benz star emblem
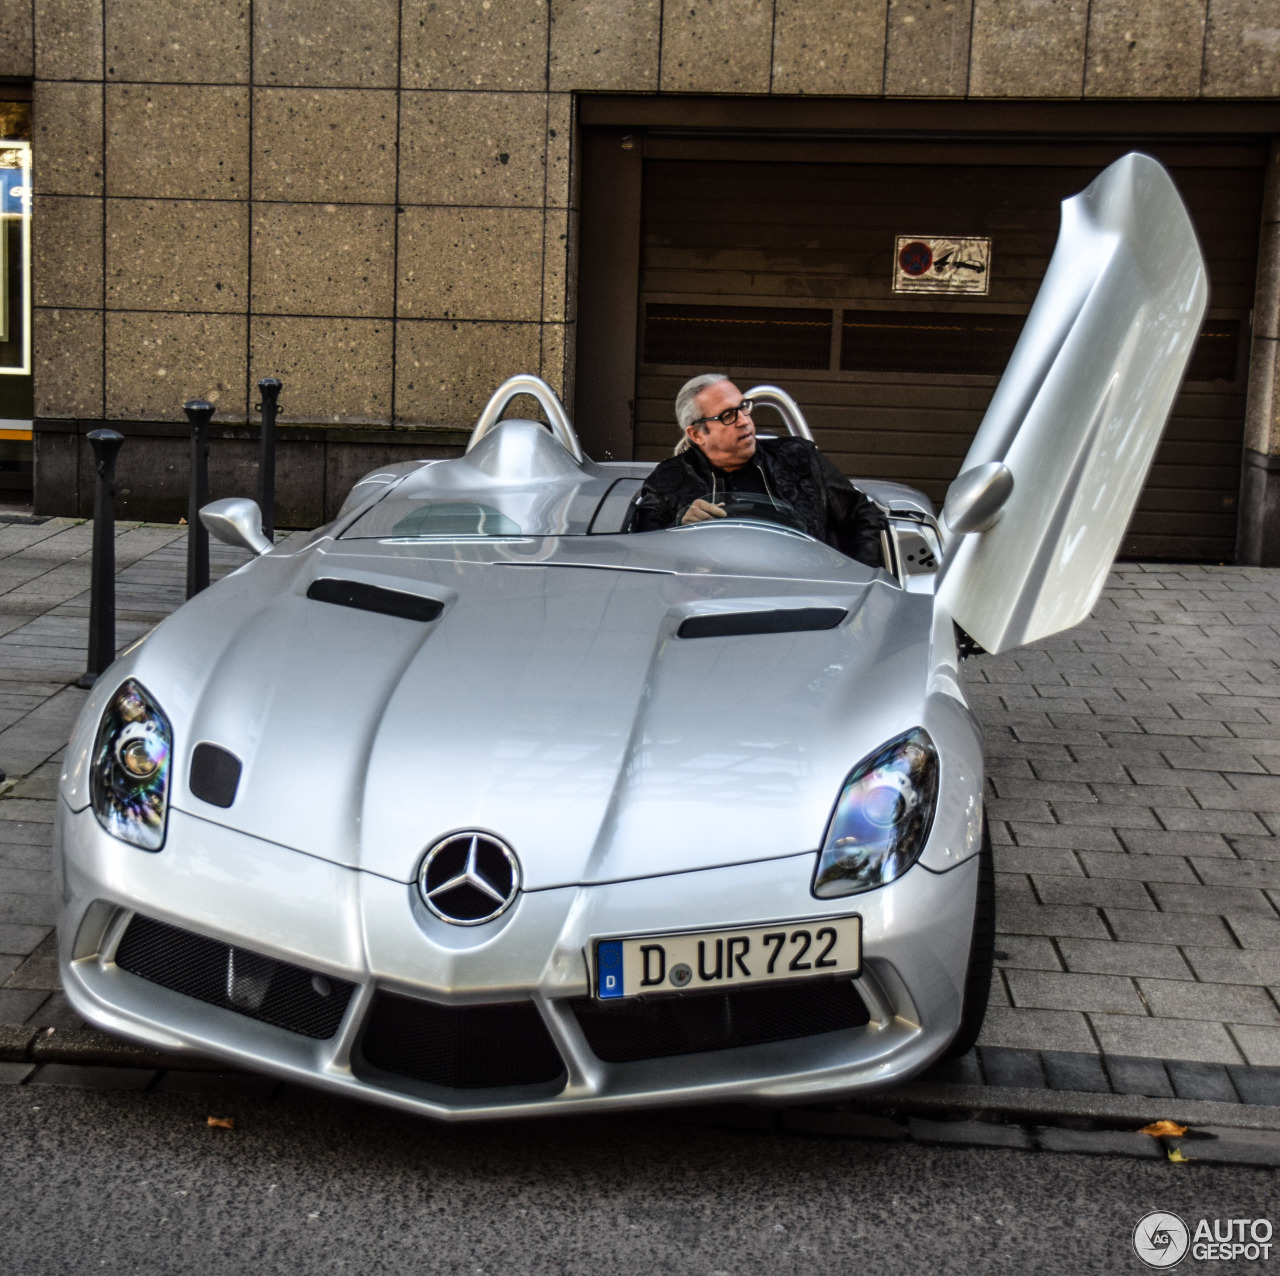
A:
x,y
469,878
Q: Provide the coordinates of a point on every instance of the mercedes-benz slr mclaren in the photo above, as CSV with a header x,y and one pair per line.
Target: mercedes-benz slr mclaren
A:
x,y
478,803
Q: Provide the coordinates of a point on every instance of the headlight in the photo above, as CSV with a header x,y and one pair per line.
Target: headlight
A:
x,y
882,819
131,768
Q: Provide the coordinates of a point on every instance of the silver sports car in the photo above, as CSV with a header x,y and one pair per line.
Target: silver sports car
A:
x,y
477,803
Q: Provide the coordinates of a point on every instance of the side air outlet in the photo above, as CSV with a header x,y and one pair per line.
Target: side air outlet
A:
x,y
215,774
386,602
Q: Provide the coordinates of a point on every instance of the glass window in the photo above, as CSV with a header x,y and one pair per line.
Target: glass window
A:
x,y
15,258
16,405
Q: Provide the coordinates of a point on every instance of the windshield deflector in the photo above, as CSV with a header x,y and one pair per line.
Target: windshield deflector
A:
x,y
516,481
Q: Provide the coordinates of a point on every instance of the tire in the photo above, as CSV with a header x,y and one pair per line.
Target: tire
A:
x,y
982,949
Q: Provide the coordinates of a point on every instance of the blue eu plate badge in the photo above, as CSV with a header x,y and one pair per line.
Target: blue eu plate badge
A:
x,y
609,968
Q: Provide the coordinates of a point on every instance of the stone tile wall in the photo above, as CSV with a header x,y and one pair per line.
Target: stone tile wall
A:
x,y
373,200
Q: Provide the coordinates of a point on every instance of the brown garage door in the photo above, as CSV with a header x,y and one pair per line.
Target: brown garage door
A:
x,y
772,260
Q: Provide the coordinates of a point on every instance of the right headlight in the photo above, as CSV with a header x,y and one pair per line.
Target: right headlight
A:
x,y
882,818
130,776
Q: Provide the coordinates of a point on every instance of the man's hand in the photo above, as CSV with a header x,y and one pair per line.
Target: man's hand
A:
x,y
702,511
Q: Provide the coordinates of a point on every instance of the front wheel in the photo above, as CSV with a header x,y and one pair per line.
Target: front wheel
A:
x,y
982,949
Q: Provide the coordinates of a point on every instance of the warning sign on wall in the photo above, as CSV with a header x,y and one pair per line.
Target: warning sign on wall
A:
x,y
930,263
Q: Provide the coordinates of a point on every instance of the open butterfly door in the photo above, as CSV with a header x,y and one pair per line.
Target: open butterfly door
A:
x,y
1054,472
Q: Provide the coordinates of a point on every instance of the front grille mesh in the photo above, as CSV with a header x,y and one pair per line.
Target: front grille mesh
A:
x,y
625,1031
461,1047
236,979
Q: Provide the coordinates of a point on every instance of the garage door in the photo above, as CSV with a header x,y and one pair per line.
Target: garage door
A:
x,y
773,260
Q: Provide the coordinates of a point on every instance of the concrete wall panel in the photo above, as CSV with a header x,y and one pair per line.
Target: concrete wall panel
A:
x,y
67,362
324,145
177,141
717,46
326,43
68,35
66,264
1028,48
156,362
928,48
474,44
1138,49
66,128
1242,49
446,371
324,259
333,370
178,41
471,263
609,45
473,148
17,44
177,254
829,46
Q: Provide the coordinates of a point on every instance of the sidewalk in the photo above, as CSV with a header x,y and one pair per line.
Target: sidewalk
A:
x,y
44,620
1134,769
1134,800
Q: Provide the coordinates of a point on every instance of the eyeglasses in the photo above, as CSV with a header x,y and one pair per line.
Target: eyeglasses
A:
x,y
729,415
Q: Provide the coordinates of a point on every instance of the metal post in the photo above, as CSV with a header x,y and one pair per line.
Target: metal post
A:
x,y
269,387
102,596
199,413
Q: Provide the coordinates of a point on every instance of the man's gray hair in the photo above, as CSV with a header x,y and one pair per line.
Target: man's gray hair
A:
x,y
687,408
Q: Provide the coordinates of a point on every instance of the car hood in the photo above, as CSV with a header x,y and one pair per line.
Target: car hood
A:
x,y
551,703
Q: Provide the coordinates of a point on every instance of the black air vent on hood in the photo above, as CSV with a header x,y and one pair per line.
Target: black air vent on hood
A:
x,y
215,775
387,602
790,620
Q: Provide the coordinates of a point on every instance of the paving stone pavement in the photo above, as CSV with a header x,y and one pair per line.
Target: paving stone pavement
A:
x,y
1134,801
1133,797
44,621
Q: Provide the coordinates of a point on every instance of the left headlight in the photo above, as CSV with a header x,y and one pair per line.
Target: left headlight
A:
x,y
130,786
882,819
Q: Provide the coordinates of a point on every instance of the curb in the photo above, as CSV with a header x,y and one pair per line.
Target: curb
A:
x,y
923,1112
91,1048
1017,1103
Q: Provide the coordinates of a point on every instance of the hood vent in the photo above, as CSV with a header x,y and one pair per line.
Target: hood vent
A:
x,y
386,602
789,620
215,775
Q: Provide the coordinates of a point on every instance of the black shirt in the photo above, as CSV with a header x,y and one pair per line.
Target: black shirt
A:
x,y
791,472
747,478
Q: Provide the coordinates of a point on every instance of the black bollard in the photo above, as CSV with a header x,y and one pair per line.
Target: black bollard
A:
x,y
102,596
269,387
199,413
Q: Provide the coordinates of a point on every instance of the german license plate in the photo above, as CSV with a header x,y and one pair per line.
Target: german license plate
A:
x,y
703,960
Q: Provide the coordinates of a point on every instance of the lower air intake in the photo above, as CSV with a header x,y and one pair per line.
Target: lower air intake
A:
x,y
236,979
461,1047
624,1031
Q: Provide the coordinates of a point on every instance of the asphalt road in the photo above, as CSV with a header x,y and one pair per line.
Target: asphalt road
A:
x,y
138,1183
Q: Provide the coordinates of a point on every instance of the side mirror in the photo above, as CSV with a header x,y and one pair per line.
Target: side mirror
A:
x,y
236,521
977,498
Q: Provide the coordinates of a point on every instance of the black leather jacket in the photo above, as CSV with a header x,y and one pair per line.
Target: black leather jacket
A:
x,y
795,471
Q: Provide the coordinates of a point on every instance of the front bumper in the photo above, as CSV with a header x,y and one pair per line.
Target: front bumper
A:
x,y
349,925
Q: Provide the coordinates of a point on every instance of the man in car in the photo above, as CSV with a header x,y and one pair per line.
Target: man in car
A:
x,y
720,462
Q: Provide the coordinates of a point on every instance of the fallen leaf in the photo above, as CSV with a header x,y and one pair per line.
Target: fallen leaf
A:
x,y
1175,1154
222,1123
182,522
1159,1128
